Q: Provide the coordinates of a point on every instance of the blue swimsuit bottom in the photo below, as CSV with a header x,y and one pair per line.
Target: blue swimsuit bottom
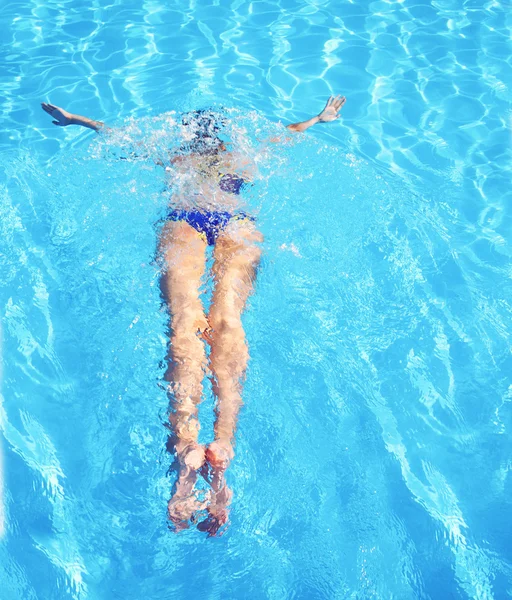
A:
x,y
208,224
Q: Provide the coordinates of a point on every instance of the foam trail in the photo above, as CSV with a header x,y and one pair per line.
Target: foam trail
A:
x,y
2,506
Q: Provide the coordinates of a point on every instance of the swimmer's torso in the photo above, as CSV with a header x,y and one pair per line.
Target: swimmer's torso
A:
x,y
208,182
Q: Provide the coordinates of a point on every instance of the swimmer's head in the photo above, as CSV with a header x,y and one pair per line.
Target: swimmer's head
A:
x,y
201,131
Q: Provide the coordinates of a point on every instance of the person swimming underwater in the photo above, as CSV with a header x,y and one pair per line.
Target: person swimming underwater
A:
x,y
206,209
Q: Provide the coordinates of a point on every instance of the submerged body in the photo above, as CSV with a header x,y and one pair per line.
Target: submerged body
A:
x,y
206,191
205,208
208,209
209,182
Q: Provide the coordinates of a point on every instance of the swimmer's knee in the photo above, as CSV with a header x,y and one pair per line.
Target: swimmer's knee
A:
x,y
224,323
186,321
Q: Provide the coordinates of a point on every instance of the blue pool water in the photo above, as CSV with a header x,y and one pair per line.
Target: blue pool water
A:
x,y
373,456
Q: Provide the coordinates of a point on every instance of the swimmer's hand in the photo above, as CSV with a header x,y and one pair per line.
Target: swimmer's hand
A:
x,y
331,112
63,117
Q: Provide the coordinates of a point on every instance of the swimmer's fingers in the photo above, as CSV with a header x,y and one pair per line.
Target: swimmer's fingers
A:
x,y
331,110
61,116
338,105
49,108
328,103
335,101
339,101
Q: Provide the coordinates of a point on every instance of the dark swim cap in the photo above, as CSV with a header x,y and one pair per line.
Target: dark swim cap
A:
x,y
204,125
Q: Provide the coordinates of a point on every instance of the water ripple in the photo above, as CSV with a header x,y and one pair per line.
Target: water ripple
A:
x,y
372,453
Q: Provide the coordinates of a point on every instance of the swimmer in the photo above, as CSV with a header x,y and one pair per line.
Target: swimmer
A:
x,y
205,210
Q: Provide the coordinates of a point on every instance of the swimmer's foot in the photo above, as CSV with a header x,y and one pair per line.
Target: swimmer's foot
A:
x,y
218,456
185,502
218,512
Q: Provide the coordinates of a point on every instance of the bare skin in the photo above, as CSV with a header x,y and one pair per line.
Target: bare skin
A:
x,y
236,257
184,255
330,113
62,117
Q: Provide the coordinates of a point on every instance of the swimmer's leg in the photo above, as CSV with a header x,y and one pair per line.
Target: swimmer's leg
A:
x,y
183,253
236,258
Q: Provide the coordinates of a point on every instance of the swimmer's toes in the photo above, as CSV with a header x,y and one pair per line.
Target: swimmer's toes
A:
x,y
185,505
215,525
217,521
178,513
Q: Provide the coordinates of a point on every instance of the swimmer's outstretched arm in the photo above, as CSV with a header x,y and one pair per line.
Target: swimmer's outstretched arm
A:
x,y
331,112
63,117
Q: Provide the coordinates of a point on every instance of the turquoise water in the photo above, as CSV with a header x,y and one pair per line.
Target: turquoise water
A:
x,y
373,450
